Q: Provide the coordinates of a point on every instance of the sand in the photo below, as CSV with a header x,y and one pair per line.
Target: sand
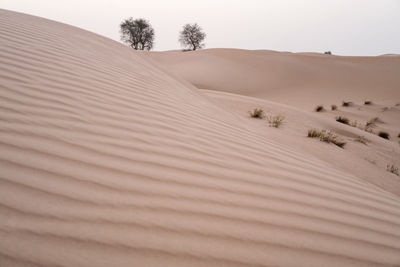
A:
x,y
112,157
301,80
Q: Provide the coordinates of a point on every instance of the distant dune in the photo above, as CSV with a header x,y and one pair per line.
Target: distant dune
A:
x,y
390,55
297,79
111,157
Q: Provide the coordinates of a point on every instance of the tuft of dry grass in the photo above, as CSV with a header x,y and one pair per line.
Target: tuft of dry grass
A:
x,y
333,107
257,113
313,133
275,121
342,120
369,130
354,123
393,169
325,136
347,104
371,123
319,108
376,119
384,135
361,139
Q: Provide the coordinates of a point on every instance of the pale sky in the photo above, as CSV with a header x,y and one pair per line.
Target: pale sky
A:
x,y
345,27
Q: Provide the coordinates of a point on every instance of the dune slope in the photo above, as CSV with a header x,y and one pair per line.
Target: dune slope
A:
x,y
302,80
107,160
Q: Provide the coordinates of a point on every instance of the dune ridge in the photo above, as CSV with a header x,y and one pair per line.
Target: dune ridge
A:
x,y
108,160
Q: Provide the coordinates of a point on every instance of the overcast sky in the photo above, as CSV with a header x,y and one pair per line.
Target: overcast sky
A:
x,y
345,27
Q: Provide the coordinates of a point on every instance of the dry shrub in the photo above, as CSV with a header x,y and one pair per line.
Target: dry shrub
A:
x,y
372,122
275,121
313,133
319,108
361,139
393,169
354,124
257,113
342,120
326,136
347,104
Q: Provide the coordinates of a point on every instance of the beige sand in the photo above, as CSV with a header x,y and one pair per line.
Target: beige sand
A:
x,y
107,159
301,80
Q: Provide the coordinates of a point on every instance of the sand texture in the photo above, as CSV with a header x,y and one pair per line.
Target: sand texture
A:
x,y
110,157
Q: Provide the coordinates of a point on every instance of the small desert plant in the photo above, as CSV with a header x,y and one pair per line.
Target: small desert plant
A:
x,y
257,113
333,107
319,108
367,102
371,122
325,136
342,120
384,135
393,169
313,133
354,124
361,139
368,129
331,138
376,119
275,121
346,104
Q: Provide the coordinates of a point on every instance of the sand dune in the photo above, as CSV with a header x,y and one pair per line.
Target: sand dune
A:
x,y
299,79
108,160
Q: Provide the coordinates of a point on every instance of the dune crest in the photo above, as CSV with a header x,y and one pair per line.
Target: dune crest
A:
x,y
108,160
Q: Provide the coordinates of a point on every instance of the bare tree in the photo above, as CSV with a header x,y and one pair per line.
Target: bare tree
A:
x,y
192,36
137,33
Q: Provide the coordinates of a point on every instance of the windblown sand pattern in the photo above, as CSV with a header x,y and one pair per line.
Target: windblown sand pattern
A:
x,y
107,160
